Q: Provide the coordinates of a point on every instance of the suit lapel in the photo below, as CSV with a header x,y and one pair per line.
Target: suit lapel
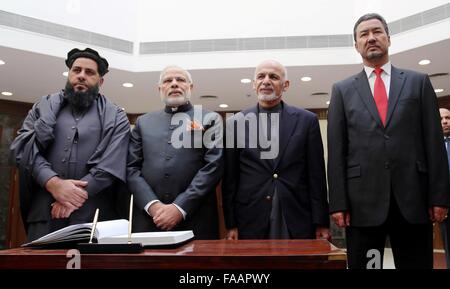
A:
x,y
288,123
398,78
361,84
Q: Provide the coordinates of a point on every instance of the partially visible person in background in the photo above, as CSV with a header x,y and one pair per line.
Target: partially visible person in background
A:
x,y
445,226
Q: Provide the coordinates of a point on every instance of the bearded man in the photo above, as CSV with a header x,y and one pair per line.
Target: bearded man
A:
x,y
274,182
171,171
71,151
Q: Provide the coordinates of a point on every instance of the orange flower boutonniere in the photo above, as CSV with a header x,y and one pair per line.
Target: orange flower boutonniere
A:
x,y
194,125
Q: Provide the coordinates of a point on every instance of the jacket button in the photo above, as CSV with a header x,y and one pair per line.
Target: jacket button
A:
x,y
386,137
387,165
268,198
275,176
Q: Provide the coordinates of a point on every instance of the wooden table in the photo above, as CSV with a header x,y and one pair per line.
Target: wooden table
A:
x,y
197,254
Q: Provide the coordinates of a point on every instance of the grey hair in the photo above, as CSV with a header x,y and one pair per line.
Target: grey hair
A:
x,y
284,69
163,72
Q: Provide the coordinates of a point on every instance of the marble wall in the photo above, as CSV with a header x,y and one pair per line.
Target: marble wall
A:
x,y
8,125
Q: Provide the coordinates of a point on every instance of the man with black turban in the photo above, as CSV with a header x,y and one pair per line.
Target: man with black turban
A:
x,y
71,151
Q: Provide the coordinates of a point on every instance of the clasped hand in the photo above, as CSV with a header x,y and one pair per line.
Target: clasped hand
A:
x,y
69,195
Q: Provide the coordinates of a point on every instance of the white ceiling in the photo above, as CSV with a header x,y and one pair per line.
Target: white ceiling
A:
x,y
35,62
30,75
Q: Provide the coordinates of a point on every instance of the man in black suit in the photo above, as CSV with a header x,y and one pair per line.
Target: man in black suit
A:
x,y
274,183
171,170
387,167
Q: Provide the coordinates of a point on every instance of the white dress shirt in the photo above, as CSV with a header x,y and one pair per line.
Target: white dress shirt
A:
x,y
183,212
385,75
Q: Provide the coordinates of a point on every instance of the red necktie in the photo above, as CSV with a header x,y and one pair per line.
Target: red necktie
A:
x,y
380,95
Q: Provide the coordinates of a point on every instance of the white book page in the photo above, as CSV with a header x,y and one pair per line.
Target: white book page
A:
x,y
150,238
64,232
83,231
111,228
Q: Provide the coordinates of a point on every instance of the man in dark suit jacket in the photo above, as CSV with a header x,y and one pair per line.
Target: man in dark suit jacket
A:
x,y
387,166
276,191
171,171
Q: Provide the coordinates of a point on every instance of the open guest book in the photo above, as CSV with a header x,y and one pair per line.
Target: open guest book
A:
x,y
108,232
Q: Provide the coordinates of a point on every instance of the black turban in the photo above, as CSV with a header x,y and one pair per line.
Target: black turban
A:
x,y
88,53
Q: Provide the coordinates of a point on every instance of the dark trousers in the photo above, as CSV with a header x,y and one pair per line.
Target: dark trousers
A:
x,y
412,244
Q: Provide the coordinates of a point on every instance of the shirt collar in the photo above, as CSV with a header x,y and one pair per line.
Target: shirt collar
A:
x,y
387,67
276,108
182,108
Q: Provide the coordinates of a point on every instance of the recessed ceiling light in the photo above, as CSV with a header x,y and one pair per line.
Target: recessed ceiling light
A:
x,y
328,102
2,62
208,96
306,78
246,80
223,105
65,73
438,90
127,84
7,93
424,62
319,94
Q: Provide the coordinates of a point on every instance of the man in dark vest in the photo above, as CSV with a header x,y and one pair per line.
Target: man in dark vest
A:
x,y
173,165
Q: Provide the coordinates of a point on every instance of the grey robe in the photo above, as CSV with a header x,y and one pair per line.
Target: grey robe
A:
x,y
52,142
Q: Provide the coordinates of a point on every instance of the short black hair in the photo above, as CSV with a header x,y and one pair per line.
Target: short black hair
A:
x,y
75,53
370,16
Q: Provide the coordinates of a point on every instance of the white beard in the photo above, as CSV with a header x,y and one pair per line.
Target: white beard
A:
x,y
267,97
176,101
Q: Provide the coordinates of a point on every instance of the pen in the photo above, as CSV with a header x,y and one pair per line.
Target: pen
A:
x,y
130,219
94,225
